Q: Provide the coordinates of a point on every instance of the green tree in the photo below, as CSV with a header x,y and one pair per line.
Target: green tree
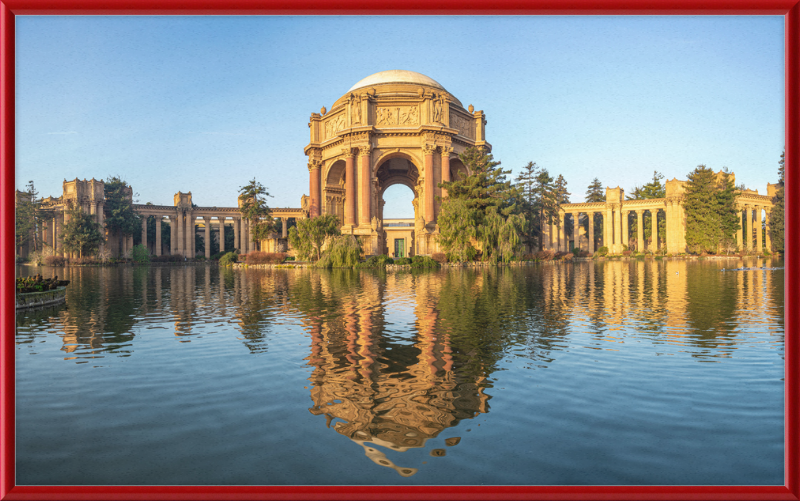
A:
x,y
309,235
595,194
526,182
562,197
485,191
81,233
26,212
776,215
254,209
458,226
120,219
545,202
711,216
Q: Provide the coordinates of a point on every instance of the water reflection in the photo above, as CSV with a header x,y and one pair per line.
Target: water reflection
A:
x,y
399,359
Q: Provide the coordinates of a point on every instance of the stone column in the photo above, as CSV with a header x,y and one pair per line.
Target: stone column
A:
x,y
626,233
179,244
576,234
562,228
284,230
618,229
237,244
364,192
144,231
428,151
55,233
639,231
759,232
316,194
445,168
251,246
740,231
349,187
221,220
654,229
158,235
207,236
552,242
767,236
749,236
591,232
189,235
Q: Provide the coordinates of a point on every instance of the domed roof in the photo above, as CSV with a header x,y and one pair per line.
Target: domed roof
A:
x,y
397,76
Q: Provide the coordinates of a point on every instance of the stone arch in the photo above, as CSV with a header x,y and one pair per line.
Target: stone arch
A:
x,y
408,155
457,169
333,196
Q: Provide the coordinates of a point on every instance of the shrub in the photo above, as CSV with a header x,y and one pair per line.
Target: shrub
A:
x,y
568,256
423,262
376,262
602,251
228,259
140,254
167,258
104,255
85,260
626,253
54,261
403,260
36,258
289,258
21,259
264,258
216,256
343,252
545,255
439,257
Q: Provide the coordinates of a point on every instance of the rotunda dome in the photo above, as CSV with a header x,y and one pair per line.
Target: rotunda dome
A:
x,y
396,76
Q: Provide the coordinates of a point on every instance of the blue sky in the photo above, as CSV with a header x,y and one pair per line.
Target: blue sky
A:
x,y
204,104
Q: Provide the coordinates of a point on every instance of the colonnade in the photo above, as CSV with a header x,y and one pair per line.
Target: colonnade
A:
x,y
183,228
744,237
615,230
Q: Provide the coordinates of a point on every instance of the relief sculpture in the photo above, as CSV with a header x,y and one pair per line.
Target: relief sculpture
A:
x,y
334,125
464,125
398,115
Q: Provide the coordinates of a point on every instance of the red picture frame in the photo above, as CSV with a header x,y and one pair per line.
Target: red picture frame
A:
x,y
790,9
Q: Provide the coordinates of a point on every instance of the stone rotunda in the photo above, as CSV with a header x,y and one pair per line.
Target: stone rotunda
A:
x,y
393,127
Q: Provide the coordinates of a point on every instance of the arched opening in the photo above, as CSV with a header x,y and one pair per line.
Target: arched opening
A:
x,y
397,201
333,192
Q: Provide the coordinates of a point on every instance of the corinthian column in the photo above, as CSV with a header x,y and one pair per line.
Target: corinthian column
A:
x,y
748,212
144,232
445,168
639,231
617,229
207,243
740,230
158,235
590,236
221,220
759,234
428,152
364,192
767,236
236,242
349,187
179,244
316,194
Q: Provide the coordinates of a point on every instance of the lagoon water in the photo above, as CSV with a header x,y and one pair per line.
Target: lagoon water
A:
x,y
608,373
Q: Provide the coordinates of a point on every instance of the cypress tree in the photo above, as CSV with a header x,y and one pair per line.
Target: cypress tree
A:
x,y
594,194
776,215
710,206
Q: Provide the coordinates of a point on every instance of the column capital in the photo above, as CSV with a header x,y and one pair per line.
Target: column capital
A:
x,y
428,150
347,152
446,150
364,150
314,164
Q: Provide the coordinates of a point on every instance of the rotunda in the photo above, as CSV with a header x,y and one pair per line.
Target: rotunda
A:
x,y
392,127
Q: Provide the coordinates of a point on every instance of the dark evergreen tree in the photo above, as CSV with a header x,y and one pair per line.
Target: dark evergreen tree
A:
x,y
595,194
254,209
777,214
120,219
729,215
545,203
81,233
489,201
28,217
711,215
526,182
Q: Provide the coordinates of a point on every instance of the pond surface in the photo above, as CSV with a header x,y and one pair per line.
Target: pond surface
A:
x,y
609,373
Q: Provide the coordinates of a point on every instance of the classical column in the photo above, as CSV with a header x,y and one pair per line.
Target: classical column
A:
x,y
618,229
740,231
207,236
639,231
759,234
654,230
428,151
562,239
221,220
552,242
189,235
575,230
590,215
179,244
349,187
445,167
55,233
626,234
144,231
173,235
251,246
767,236
284,231
749,236
316,194
236,242
364,193
606,227
158,235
